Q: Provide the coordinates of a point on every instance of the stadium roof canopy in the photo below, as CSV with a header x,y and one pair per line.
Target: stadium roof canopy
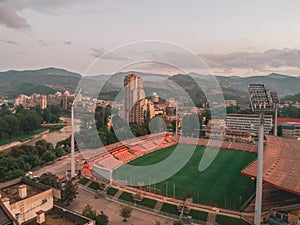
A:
x,y
281,167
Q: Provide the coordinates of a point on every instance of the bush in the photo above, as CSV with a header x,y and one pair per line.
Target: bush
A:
x,y
169,208
126,197
94,185
198,215
84,181
112,191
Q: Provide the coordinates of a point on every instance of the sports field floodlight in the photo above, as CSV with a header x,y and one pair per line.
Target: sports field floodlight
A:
x,y
72,135
261,101
276,100
260,98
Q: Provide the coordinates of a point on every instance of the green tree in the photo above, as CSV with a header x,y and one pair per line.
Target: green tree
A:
x,y
59,152
102,219
43,146
157,125
48,156
14,174
189,124
30,122
55,113
125,212
3,129
32,159
69,192
174,125
4,110
50,179
13,125
65,144
46,115
89,212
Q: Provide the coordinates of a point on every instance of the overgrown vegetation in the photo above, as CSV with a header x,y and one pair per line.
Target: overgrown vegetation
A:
x,y
24,158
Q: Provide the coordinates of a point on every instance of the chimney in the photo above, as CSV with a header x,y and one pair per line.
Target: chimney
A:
x,y
40,217
23,191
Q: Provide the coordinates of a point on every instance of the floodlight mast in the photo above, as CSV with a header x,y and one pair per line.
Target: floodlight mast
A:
x,y
261,101
276,100
72,135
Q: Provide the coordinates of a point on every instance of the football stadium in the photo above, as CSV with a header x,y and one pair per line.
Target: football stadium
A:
x,y
228,183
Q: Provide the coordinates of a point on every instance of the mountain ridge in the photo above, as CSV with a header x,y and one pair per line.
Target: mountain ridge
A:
x,y
56,79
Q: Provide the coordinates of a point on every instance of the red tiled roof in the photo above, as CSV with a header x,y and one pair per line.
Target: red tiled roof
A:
x,y
286,120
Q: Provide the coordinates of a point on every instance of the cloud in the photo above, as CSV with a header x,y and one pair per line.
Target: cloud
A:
x,y
272,60
8,41
10,18
67,42
101,52
152,67
97,52
45,43
9,10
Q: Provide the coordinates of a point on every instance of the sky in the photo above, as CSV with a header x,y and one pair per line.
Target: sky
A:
x,y
234,38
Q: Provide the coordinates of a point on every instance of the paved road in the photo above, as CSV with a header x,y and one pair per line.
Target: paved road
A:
x,y
59,167
111,209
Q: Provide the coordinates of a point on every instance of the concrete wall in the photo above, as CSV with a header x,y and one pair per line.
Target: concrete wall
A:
x,y
28,207
10,183
80,219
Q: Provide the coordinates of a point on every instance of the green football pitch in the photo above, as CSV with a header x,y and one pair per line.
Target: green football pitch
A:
x,y
220,185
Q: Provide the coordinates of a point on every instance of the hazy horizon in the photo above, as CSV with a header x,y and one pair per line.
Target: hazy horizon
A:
x,y
145,72
233,38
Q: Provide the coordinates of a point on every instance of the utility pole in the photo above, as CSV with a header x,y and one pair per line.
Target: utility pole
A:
x,y
72,135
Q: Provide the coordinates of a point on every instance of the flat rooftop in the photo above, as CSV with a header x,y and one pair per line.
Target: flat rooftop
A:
x,y
59,216
11,189
12,192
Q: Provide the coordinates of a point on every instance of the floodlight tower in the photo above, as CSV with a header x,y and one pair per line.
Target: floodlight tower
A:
x,y
261,101
72,135
176,118
276,100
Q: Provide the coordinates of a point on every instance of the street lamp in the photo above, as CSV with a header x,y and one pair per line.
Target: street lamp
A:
x,y
72,135
261,101
276,100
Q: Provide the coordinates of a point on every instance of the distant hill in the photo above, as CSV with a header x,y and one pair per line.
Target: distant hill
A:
x,y
295,98
44,81
50,80
284,85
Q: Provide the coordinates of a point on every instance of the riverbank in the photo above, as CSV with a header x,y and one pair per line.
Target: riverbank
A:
x,y
50,134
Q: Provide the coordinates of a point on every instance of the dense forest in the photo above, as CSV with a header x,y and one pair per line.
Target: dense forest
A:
x,y
23,121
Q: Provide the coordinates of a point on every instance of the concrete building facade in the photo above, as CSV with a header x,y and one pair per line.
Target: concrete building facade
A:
x,y
136,107
248,122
